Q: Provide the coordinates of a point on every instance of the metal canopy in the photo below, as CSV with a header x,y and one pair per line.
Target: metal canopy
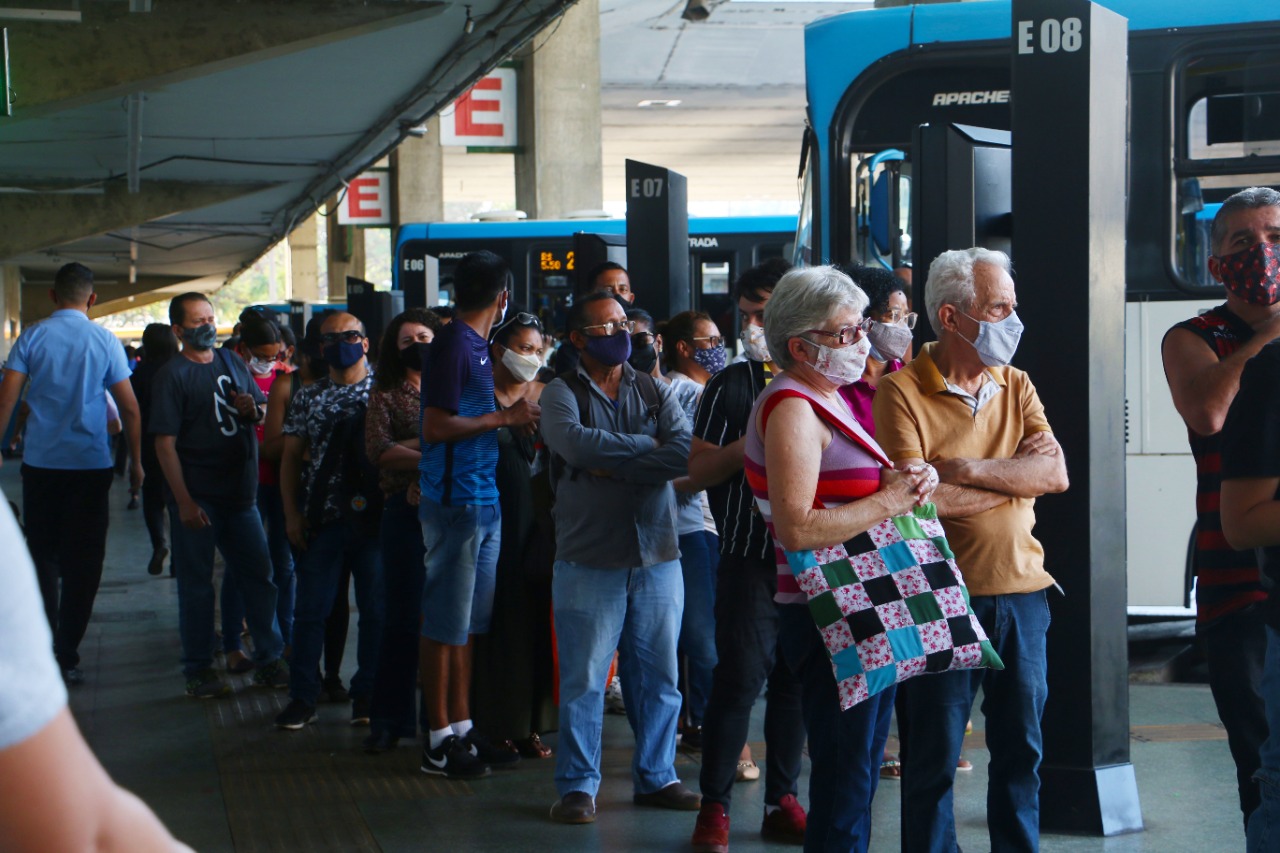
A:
x,y
230,121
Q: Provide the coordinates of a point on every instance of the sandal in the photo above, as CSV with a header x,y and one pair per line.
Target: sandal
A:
x,y
964,764
533,747
238,662
748,771
891,768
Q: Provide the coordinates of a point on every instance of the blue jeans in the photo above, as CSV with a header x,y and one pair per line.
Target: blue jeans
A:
x,y
699,554
845,747
395,686
319,570
636,611
1264,824
271,510
236,533
938,708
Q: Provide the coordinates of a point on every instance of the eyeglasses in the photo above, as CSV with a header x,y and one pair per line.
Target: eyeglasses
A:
x,y
643,338
350,336
894,316
611,328
846,336
713,341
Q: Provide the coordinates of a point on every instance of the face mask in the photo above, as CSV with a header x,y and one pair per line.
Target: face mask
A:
x,y
261,366
201,337
643,358
343,354
997,342
610,350
413,355
1253,274
711,360
889,342
842,366
522,367
753,343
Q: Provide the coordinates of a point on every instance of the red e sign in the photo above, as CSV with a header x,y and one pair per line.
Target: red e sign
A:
x,y
485,117
366,201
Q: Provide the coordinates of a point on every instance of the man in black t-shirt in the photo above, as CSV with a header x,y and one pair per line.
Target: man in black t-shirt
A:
x,y
203,408
746,580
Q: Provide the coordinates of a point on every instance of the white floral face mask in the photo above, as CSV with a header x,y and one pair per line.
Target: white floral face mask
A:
x,y
845,365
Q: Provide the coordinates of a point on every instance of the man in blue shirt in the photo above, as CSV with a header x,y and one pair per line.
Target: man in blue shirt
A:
x,y
71,363
461,522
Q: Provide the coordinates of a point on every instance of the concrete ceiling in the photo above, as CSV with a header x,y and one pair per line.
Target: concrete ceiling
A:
x,y
739,77
229,121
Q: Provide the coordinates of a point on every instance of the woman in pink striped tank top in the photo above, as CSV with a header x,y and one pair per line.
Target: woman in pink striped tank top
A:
x,y
819,480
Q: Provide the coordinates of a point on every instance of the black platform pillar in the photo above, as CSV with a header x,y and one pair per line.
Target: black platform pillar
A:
x,y
658,239
1070,85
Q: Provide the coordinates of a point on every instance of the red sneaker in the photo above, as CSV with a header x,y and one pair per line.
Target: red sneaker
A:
x,y
711,832
786,824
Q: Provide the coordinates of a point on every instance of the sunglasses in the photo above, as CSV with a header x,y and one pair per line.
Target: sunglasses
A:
x,y
350,336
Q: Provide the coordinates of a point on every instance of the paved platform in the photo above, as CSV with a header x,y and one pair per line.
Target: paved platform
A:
x,y
224,780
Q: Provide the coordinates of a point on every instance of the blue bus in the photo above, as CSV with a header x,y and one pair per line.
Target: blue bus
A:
x,y
1204,121
543,264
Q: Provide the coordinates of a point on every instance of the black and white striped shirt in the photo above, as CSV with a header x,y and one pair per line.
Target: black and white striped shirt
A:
x,y
722,418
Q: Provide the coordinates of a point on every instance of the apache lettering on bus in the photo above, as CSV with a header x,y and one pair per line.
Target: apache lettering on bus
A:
x,y
992,96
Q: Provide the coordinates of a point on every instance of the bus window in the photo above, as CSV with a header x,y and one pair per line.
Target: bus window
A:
x,y
715,277
802,254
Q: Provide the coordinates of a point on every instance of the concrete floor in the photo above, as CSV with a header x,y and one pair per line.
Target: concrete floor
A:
x,y
224,780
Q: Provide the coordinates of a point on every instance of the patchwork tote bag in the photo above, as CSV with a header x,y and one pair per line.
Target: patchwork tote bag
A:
x,y
890,603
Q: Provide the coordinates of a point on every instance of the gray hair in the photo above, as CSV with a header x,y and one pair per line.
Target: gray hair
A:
x,y
950,280
1250,199
804,299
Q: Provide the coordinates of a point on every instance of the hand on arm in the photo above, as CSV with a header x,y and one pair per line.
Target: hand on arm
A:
x,y
189,512
710,464
441,426
1250,512
1203,385
669,459
1037,467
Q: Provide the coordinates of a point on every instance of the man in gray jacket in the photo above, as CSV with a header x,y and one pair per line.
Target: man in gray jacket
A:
x,y
618,439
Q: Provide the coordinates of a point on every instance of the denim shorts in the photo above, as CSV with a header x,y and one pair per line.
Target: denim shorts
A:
x,y
462,545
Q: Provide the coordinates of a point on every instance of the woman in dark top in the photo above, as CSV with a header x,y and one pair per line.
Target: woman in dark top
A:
x,y
158,346
391,430
513,678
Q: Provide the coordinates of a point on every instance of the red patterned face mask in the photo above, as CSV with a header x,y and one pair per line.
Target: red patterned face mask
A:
x,y
1254,274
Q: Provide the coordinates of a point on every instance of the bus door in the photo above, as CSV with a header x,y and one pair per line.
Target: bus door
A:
x,y
882,201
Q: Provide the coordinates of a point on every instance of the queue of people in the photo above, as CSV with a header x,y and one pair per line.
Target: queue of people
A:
x,y
515,533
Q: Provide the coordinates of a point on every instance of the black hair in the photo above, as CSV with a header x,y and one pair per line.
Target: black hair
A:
x,y
73,284
159,344
760,280
444,312
513,324
178,305
878,283
578,313
640,315
681,327
287,337
478,279
390,374
255,331
601,268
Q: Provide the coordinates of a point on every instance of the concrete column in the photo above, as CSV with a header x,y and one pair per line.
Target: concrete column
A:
x,y
346,254
417,179
10,312
304,261
560,165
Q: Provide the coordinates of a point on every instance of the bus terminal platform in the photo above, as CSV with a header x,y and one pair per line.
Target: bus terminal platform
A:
x,y
224,779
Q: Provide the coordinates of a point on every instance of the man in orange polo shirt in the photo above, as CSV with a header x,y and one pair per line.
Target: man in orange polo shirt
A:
x,y
960,406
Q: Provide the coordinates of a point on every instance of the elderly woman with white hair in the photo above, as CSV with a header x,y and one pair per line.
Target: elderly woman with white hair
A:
x,y
819,481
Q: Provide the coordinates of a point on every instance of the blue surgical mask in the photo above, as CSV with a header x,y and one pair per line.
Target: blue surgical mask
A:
x,y
202,337
997,342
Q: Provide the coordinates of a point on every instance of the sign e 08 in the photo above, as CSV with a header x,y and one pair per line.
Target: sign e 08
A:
x,y
1066,35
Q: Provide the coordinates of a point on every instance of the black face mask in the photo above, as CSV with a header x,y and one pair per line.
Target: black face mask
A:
x,y
643,357
413,356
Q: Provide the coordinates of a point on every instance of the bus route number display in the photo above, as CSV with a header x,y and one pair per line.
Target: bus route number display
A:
x,y
555,260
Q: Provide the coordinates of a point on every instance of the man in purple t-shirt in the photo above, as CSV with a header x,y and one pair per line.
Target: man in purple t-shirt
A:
x,y
461,522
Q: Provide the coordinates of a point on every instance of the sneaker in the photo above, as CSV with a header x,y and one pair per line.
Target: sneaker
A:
x,y
453,759
156,566
360,711
501,756
786,824
613,703
206,684
711,832
331,690
274,674
296,715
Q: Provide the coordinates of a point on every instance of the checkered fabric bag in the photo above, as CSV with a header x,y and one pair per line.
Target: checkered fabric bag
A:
x,y
890,603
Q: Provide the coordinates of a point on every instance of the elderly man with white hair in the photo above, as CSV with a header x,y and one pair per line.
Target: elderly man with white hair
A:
x,y
960,407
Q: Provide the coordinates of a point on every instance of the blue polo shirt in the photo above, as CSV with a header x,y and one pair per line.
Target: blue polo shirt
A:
x,y
458,378
70,362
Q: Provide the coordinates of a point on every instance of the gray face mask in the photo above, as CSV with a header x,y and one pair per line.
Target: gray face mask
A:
x,y
889,342
997,342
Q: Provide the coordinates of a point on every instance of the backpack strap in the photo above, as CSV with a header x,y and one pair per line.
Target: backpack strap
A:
x,y
648,387
581,395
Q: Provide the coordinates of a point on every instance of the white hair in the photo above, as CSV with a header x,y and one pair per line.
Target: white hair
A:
x,y
950,280
804,299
